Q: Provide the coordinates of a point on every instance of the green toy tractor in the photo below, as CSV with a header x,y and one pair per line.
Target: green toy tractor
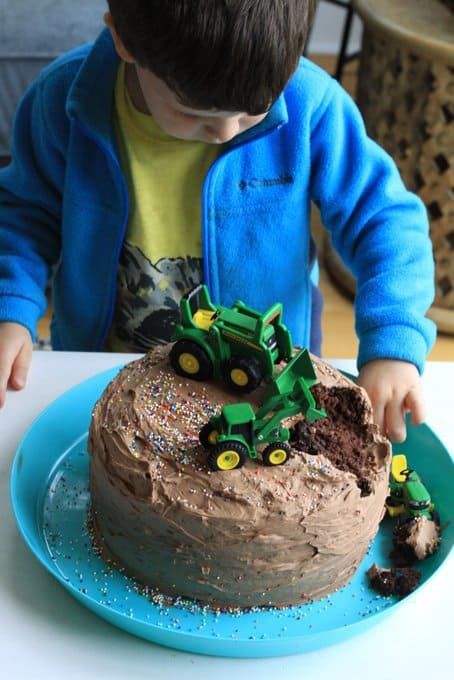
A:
x,y
407,491
239,344
237,432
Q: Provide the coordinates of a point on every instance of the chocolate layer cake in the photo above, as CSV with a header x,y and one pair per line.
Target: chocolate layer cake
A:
x,y
254,536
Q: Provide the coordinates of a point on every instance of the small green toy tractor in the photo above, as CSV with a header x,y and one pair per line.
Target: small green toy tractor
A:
x,y
237,432
239,344
407,492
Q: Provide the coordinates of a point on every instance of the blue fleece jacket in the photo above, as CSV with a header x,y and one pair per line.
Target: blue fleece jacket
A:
x,y
64,207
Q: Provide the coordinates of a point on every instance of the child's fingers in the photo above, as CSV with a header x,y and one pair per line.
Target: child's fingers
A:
x,y
20,367
395,420
6,362
3,384
414,402
15,356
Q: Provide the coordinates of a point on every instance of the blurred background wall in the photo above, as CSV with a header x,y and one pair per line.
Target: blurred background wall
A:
x,y
32,33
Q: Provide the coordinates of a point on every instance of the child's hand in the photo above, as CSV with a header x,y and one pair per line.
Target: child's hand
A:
x,y
394,388
15,356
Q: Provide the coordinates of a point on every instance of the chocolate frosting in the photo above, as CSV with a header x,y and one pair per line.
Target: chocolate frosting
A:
x,y
254,536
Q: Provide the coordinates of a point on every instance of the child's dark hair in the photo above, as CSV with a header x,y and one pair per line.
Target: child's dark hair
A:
x,y
231,55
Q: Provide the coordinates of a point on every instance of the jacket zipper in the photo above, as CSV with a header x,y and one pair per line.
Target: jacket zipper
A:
x,y
215,294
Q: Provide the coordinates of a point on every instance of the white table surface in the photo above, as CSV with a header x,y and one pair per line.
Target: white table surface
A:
x,y
45,633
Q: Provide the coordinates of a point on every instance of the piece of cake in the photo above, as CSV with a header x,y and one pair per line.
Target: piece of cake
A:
x,y
396,581
259,535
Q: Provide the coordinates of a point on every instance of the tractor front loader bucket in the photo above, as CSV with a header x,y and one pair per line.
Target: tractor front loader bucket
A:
x,y
294,383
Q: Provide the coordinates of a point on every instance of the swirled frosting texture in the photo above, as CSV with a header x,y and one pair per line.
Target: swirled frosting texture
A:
x,y
256,536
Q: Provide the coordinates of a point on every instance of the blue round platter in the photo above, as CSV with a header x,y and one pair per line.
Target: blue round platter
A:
x,y
50,498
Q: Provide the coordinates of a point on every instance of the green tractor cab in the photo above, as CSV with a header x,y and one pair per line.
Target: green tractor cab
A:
x,y
236,433
416,498
236,344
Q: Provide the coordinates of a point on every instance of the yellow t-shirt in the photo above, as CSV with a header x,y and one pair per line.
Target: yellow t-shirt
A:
x,y
162,253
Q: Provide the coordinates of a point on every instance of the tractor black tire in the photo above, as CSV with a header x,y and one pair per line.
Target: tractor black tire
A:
x,y
200,360
394,502
239,456
281,447
205,436
248,368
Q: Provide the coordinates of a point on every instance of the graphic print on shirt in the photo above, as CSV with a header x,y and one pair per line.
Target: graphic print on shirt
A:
x,y
149,295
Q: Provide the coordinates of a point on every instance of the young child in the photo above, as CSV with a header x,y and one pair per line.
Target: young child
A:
x,y
186,144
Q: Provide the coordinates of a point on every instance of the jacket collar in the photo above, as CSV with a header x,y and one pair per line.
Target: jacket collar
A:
x,y
276,117
90,99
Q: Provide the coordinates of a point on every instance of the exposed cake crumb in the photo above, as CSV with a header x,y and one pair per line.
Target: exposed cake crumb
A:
x,y
393,581
341,436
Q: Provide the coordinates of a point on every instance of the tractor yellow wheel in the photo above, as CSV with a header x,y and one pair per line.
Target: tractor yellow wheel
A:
x,y
242,374
239,377
227,455
191,360
276,454
228,460
208,436
213,437
189,363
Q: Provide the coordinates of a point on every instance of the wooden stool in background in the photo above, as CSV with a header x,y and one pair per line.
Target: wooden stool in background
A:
x,y
406,95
